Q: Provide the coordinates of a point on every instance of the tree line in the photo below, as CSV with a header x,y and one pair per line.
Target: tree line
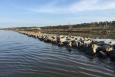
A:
x,y
83,25
93,24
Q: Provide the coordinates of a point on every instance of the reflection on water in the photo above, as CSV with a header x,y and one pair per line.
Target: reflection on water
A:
x,y
22,56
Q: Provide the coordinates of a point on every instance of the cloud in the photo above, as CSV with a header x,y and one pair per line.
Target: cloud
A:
x,y
79,6
93,5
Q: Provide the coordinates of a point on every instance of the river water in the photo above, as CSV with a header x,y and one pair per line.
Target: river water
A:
x,y
22,56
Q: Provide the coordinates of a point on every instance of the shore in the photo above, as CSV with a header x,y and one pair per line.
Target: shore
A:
x,y
93,32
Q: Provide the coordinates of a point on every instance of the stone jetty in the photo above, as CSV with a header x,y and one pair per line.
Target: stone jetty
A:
x,y
85,44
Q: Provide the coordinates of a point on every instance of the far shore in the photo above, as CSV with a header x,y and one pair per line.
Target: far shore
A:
x,y
96,30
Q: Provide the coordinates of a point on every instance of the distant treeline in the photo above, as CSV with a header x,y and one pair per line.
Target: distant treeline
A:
x,y
83,25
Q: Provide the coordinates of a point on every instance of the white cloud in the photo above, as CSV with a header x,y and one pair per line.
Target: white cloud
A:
x,y
81,6
92,5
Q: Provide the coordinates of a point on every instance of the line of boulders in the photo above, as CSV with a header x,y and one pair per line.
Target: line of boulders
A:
x,y
85,44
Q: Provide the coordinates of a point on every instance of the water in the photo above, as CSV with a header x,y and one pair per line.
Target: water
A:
x,y
22,56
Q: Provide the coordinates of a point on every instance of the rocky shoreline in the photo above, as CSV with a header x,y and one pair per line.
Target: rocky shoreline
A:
x,y
86,44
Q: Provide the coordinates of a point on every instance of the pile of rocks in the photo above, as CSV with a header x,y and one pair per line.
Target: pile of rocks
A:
x,y
85,44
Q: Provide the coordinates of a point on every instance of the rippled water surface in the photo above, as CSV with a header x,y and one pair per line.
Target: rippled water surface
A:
x,y
22,56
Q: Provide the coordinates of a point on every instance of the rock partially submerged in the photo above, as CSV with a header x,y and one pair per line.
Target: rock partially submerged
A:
x,y
86,44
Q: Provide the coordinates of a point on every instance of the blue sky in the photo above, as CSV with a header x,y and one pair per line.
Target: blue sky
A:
x,y
54,12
